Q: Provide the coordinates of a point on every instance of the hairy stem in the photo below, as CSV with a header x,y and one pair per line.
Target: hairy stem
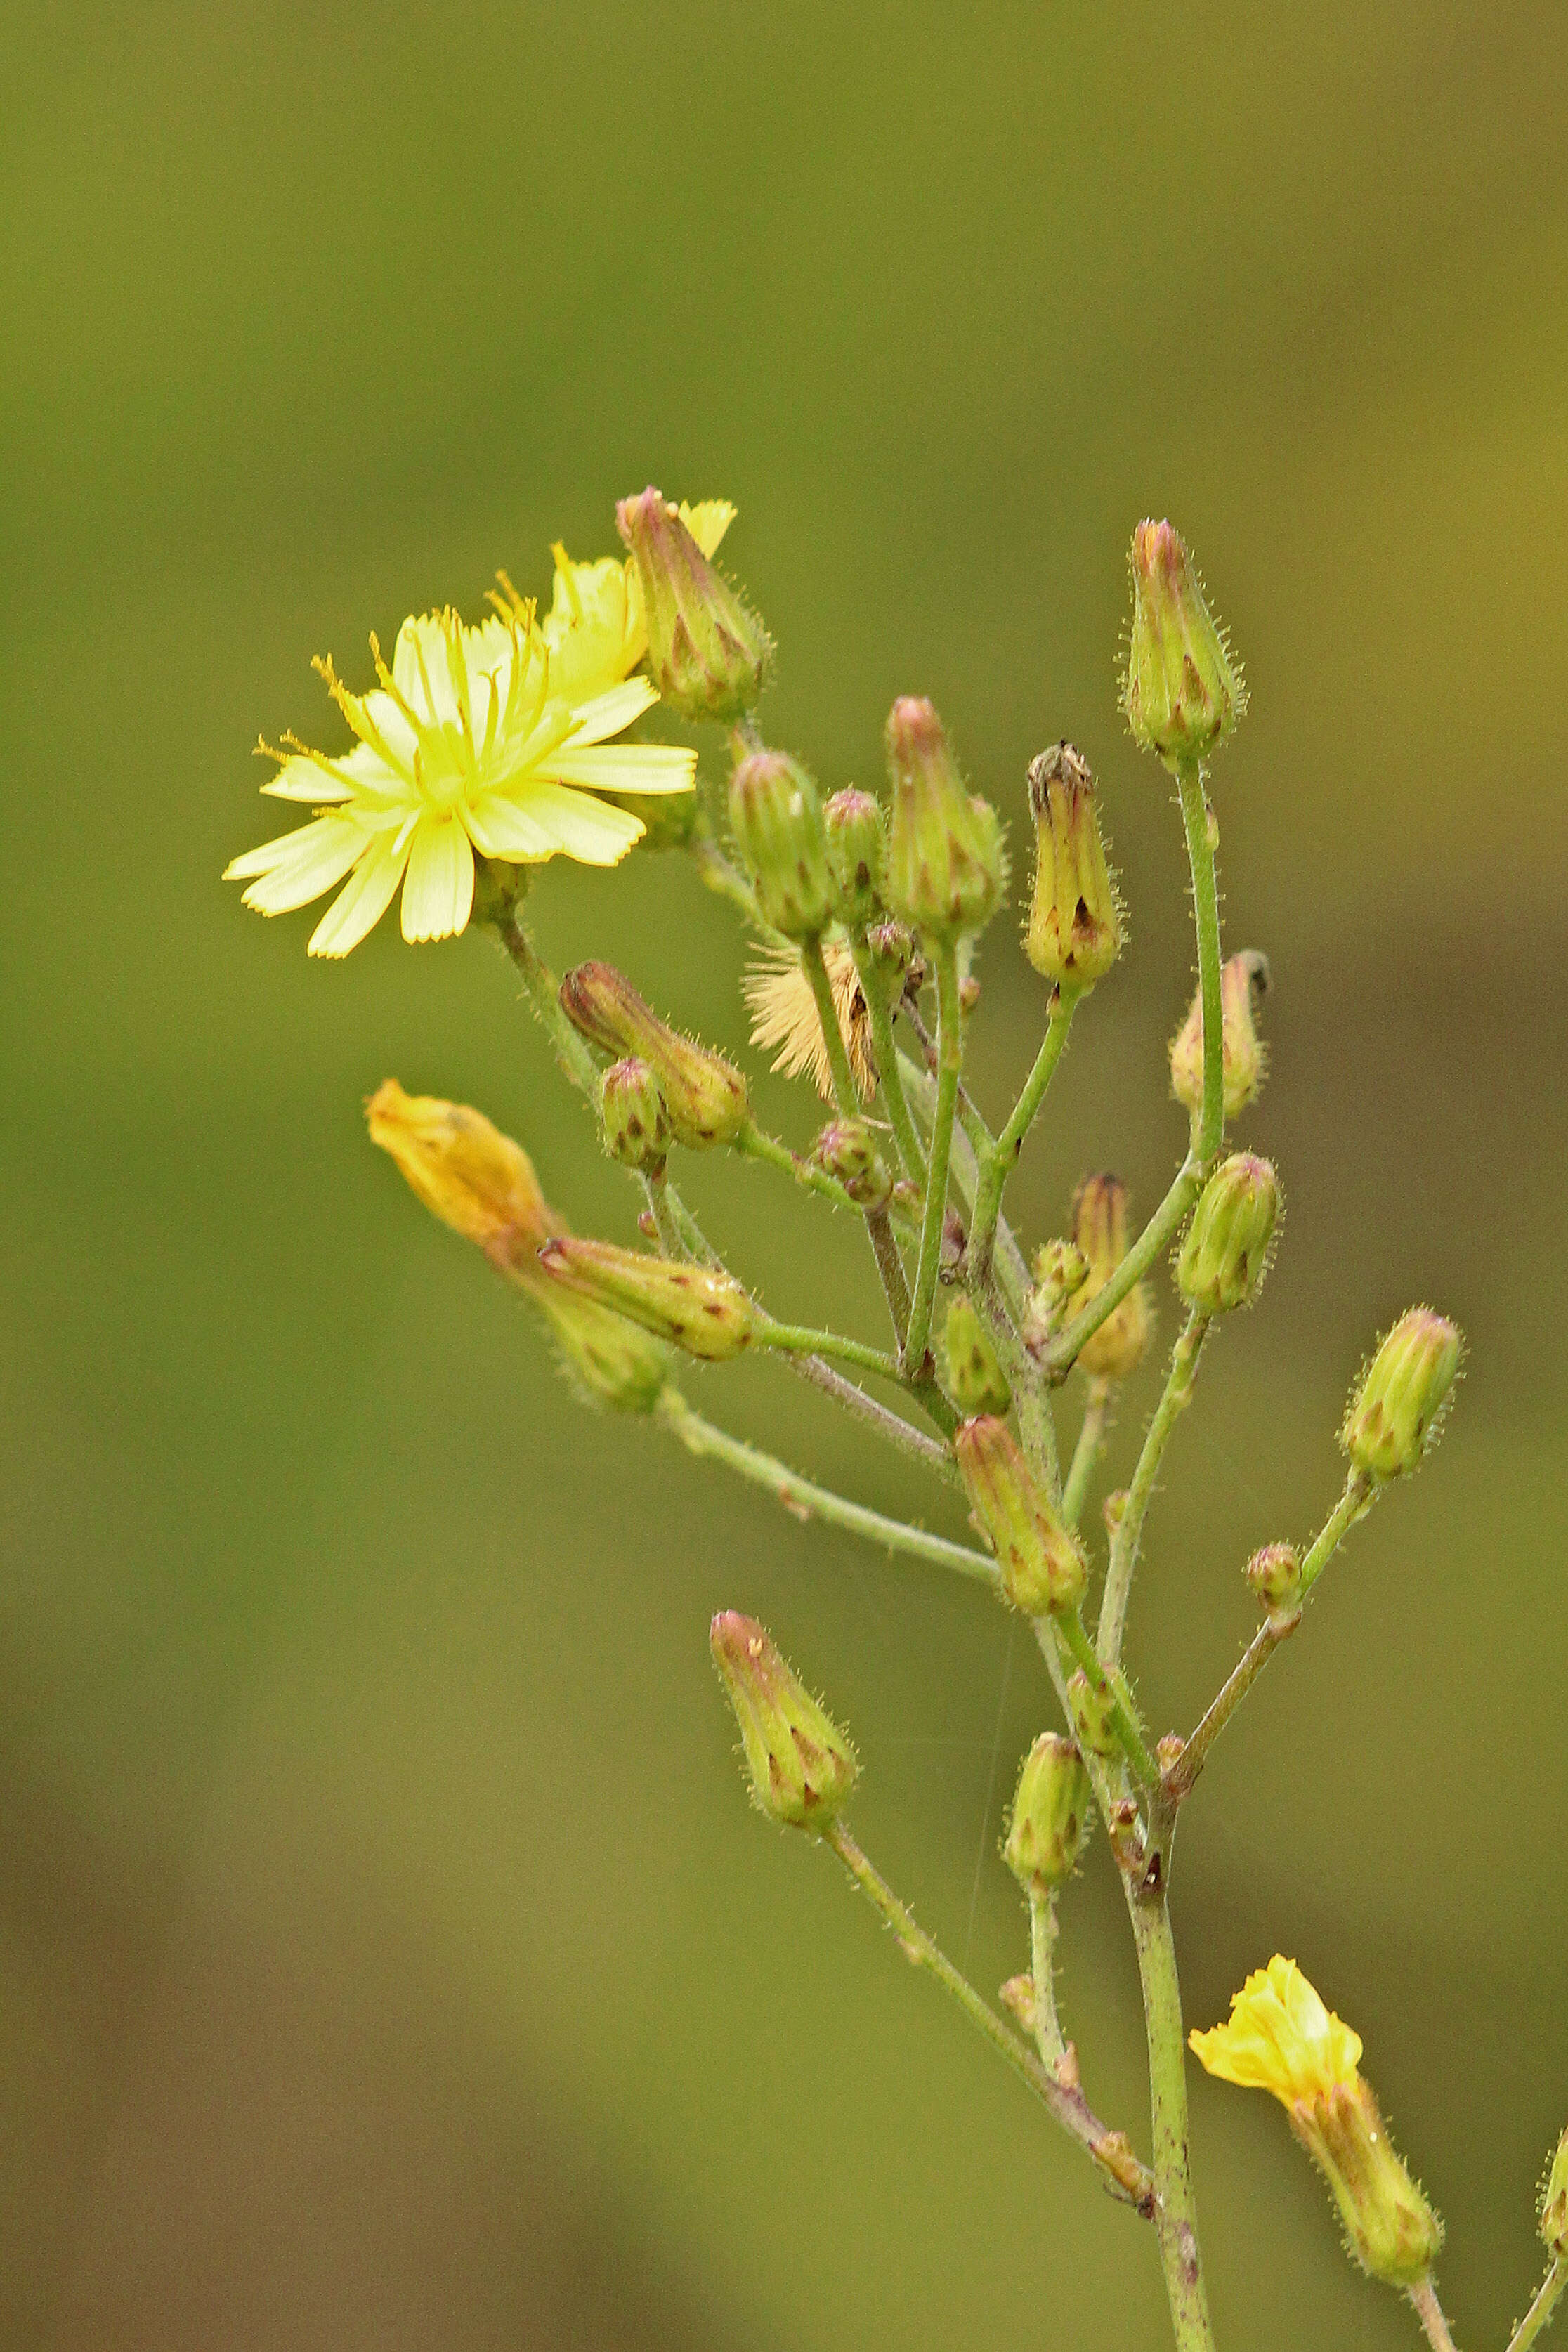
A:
x,y
795,1339
1358,1499
1206,915
1011,1270
672,1240
807,1500
997,1164
888,1425
1124,1544
1176,2217
874,992
950,1051
1063,1352
1124,1716
884,1248
1540,2313
1430,2312
571,1051
1049,2032
1086,1453
754,1143
1065,2102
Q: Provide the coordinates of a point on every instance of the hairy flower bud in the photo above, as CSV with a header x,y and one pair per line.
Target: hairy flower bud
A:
x,y
1224,1254
776,818
801,1767
1099,1230
707,1314
1274,1573
1396,1410
845,1149
1050,1815
1042,1566
1073,935
1183,692
1093,1709
704,1095
857,852
945,867
1554,2204
632,1114
706,651
1244,984
975,1380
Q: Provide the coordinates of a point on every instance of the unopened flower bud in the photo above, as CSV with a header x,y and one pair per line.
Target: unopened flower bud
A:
x,y
894,952
945,867
775,816
1244,984
706,651
975,1380
1093,1709
1182,693
1274,1573
906,1200
1554,2204
1050,1815
704,1095
1224,1254
708,1314
1395,1411
801,1765
614,1362
1073,935
1061,1270
632,1114
1099,1229
845,1149
1042,1566
857,852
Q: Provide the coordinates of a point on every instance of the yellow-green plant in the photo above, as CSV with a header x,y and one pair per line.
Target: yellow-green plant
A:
x,y
484,750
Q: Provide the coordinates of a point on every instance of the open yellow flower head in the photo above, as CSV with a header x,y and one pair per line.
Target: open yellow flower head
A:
x,y
469,1175
476,741
1281,2037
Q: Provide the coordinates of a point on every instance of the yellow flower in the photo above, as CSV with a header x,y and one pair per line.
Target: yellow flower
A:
x,y
1281,2037
783,1013
466,745
595,629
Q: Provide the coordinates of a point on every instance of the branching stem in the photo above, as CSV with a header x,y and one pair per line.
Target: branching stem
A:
x,y
998,1163
1125,1542
1540,2313
950,1049
1086,1453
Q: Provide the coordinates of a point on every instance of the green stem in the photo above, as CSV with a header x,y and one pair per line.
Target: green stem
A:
x,y
1176,2217
1124,1715
1086,1453
794,1339
571,1051
671,1239
697,1242
873,988
1011,1270
1124,1543
844,1092
999,1162
1205,913
1430,2312
724,880
897,1432
1063,1352
807,1500
950,1051
1049,2032
1353,1505
754,1143
1065,2101
1541,2310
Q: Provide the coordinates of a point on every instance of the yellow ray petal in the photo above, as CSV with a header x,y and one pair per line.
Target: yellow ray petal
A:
x,y
362,900
439,891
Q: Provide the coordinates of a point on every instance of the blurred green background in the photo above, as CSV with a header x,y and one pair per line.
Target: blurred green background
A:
x,y
388,1955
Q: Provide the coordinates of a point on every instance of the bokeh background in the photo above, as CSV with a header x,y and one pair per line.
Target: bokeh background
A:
x,y
388,1955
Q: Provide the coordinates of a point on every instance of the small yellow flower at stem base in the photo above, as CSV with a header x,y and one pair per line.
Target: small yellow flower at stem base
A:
x,y
801,1767
1041,1562
1183,692
707,650
1397,1410
1050,1815
1244,984
1281,2037
1099,1230
1073,933
783,1006
708,1315
704,1094
945,866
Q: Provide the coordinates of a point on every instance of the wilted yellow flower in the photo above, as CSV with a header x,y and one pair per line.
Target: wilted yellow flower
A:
x,y
783,1013
478,739
1281,2037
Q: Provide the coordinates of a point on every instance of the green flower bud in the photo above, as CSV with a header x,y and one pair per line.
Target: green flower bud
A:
x,y
1073,929
1182,693
1274,1574
1042,1566
632,1114
895,954
707,1314
945,867
706,651
845,1149
1224,1254
975,1380
777,819
1554,2204
801,1767
612,1360
704,1095
857,852
1390,2228
1093,1709
1244,984
1061,1270
1099,1230
1050,1815
1394,1413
